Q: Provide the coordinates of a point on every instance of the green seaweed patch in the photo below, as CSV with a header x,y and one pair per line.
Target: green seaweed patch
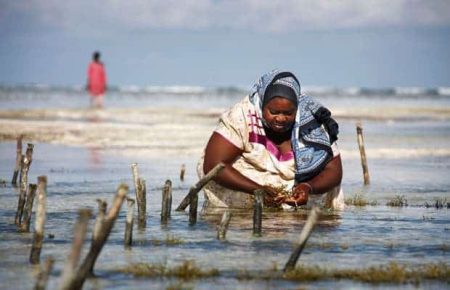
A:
x,y
187,270
169,241
438,203
391,273
179,286
322,245
444,248
398,201
356,200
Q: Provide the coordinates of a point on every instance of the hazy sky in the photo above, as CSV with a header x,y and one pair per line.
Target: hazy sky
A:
x,y
370,43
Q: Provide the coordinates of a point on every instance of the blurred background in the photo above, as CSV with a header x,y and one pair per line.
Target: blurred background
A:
x,y
210,43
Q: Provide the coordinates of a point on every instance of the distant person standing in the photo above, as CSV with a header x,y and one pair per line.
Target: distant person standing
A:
x,y
96,81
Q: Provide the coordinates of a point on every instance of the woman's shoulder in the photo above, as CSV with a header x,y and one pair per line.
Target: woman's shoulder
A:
x,y
239,111
244,105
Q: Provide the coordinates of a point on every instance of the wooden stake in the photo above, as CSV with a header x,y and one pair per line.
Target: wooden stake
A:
x,y
223,227
304,235
193,209
362,151
141,198
98,242
182,171
25,225
29,153
44,273
199,185
24,182
18,160
22,192
79,233
257,212
40,220
141,193
135,172
102,205
166,205
128,239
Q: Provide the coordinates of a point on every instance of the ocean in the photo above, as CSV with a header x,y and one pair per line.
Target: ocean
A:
x,y
87,153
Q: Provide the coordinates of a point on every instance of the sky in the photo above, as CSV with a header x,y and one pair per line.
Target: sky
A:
x,y
335,43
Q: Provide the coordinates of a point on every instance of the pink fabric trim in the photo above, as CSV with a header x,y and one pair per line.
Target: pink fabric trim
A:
x,y
270,146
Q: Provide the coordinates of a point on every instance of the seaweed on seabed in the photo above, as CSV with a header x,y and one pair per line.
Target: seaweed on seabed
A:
x,y
398,201
390,273
439,203
187,270
357,200
169,241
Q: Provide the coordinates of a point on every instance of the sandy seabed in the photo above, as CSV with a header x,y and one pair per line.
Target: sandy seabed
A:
x,y
171,132
147,132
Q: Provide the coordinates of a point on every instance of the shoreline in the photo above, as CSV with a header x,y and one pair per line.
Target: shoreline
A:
x,y
174,132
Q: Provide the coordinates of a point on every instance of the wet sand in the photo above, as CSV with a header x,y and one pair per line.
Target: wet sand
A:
x,y
147,131
153,132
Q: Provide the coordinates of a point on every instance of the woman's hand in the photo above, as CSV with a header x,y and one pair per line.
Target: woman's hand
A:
x,y
300,194
271,196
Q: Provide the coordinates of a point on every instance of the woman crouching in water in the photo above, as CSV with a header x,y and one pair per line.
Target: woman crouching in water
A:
x,y
278,140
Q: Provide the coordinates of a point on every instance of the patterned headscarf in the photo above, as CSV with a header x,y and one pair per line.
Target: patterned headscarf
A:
x,y
311,144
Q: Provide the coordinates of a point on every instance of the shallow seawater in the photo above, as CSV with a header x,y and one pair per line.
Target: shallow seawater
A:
x,y
357,237
408,158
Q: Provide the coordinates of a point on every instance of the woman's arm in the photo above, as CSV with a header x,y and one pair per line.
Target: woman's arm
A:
x,y
330,177
219,150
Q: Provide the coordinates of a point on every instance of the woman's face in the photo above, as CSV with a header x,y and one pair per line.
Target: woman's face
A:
x,y
279,114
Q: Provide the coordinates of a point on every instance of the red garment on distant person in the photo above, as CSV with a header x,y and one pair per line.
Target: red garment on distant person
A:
x,y
96,79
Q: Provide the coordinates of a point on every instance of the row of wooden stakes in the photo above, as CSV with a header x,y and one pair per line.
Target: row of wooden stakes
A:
x,y
74,275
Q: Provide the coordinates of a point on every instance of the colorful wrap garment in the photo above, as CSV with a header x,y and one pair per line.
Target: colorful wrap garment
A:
x,y
96,79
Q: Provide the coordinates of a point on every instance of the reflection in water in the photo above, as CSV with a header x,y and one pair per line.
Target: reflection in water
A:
x,y
95,161
275,223
94,116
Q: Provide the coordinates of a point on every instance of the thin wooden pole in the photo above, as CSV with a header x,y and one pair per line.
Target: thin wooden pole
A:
x,y
102,205
257,212
40,220
182,172
223,227
44,273
18,160
304,235
27,158
141,192
141,199
128,239
199,185
97,244
28,209
362,151
135,172
29,153
166,204
22,192
79,233
193,209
